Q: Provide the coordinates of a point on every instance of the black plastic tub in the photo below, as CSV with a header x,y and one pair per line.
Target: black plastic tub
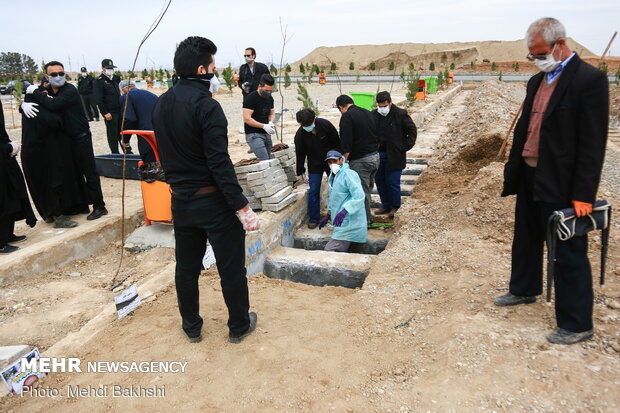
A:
x,y
111,165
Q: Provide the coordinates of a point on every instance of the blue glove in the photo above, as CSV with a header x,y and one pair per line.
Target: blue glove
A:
x,y
324,221
340,217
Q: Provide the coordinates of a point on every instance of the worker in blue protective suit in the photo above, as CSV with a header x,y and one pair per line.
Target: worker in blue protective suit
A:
x,y
346,200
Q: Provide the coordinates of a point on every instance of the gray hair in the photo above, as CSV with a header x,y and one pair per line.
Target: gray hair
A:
x,y
549,28
126,84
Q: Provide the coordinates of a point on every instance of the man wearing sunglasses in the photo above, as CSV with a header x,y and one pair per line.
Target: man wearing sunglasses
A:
x,y
555,163
64,99
250,72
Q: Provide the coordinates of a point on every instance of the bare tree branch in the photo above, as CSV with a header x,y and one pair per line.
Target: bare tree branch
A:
x,y
285,40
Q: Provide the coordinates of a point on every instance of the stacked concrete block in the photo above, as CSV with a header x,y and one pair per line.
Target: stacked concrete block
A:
x,y
288,162
266,185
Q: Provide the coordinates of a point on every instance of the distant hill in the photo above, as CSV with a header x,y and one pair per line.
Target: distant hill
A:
x,y
421,54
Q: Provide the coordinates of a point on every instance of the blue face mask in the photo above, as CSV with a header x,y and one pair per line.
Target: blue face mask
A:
x,y
309,128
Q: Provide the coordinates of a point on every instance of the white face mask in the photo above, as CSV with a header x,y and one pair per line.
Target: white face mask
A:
x,y
334,167
214,84
84,74
383,110
248,59
548,64
109,72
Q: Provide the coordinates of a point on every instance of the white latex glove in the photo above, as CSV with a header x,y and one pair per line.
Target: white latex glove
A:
x,y
30,109
16,147
249,219
269,128
30,89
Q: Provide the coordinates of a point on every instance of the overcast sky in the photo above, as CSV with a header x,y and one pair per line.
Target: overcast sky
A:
x,y
85,32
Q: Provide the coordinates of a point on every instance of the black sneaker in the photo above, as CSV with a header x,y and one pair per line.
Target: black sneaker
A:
x,y
196,339
16,238
63,221
511,299
97,213
561,336
8,249
238,338
312,225
382,211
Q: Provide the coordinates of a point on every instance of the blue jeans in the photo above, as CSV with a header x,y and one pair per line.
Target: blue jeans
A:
x,y
388,184
314,197
260,143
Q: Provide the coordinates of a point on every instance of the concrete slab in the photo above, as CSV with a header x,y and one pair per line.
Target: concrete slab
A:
x,y
413,169
315,239
405,190
10,354
157,235
318,268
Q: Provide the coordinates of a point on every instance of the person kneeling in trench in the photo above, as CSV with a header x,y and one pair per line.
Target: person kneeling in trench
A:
x,y
346,199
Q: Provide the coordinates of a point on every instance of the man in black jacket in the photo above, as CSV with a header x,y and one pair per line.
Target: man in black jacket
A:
x,y
314,138
250,72
107,96
85,87
63,98
555,162
397,134
190,128
359,144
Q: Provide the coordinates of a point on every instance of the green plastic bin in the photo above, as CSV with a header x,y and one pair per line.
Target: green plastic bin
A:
x,y
431,84
363,99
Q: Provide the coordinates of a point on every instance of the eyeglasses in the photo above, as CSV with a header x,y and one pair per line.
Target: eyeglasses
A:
x,y
247,55
55,74
532,57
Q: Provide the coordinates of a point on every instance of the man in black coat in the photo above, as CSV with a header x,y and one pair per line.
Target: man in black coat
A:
x,y
108,98
63,98
314,138
14,203
359,144
139,114
397,134
250,72
556,162
85,87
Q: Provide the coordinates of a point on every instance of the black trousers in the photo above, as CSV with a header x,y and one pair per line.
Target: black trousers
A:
x,y
7,226
573,274
85,160
113,132
196,219
90,107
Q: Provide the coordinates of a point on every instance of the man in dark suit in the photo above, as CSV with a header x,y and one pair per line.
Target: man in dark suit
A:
x,y
397,134
555,162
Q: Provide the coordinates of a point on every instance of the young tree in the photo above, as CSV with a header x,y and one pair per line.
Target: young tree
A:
x,y
288,68
332,66
167,74
229,78
308,67
452,66
411,67
305,99
131,74
603,67
273,70
618,77
403,77
145,73
440,79
412,86
493,67
391,66
287,80
516,66
351,66
302,68
315,69
372,66
472,65
500,76
431,66
446,75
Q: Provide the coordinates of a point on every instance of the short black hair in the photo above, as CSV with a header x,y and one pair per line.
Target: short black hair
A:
x,y
53,63
305,117
343,100
252,50
193,52
266,79
383,97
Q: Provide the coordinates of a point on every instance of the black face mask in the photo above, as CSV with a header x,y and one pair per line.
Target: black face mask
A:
x,y
204,77
265,93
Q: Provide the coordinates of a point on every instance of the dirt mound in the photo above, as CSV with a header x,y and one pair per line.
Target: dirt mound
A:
x,y
474,138
614,105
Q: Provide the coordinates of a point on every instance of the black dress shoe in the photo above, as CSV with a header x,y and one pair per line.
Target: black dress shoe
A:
x,y
561,336
97,213
8,249
16,238
509,299
234,338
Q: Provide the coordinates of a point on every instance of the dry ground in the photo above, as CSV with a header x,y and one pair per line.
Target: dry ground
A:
x,y
421,336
